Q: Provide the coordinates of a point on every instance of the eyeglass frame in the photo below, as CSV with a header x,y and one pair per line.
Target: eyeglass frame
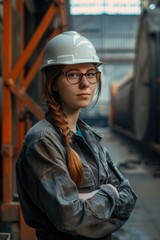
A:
x,y
81,76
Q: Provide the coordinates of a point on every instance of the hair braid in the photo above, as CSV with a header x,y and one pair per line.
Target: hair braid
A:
x,y
61,123
74,162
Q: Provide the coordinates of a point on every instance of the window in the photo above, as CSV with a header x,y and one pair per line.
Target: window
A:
x,y
98,7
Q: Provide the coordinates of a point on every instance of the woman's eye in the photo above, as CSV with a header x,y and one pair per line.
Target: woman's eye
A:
x,y
91,74
73,75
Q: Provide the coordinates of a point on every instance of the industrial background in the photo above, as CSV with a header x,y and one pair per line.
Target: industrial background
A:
x,y
126,35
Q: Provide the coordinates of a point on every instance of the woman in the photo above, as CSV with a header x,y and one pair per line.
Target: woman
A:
x,y
68,186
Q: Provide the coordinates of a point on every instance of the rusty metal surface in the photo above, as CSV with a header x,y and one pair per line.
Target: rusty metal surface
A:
x,y
7,104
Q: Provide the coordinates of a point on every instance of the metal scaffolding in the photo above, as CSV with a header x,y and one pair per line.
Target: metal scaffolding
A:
x,y
15,99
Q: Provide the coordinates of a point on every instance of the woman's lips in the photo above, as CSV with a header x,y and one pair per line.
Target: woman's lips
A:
x,y
83,94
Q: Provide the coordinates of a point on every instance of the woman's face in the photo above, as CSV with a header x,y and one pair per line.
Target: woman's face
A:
x,y
75,96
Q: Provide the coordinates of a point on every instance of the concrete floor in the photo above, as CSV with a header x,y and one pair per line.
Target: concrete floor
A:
x,y
142,168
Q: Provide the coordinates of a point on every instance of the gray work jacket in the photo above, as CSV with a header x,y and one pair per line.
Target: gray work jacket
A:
x,y
50,199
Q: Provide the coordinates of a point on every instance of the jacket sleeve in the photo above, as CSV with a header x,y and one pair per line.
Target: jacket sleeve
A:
x,y
52,189
127,197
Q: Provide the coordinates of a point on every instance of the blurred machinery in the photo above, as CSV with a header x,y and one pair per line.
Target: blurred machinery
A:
x,y
135,100
26,26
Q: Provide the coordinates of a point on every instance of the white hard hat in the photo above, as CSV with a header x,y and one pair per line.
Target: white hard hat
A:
x,y
69,48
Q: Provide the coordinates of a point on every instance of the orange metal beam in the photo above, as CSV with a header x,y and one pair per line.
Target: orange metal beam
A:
x,y
55,32
10,212
35,66
32,72
6,104
25,99
20,92
33,42
21,124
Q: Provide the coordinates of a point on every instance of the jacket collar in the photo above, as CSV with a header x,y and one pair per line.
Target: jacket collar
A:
x,y
85,127
82,125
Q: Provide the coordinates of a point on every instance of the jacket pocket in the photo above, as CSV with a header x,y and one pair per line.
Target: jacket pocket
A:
x,y
88,182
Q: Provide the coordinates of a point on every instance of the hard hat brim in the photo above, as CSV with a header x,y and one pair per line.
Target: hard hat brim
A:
x,y
53,63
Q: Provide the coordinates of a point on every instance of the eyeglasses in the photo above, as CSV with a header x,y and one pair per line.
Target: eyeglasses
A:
x,y
75,76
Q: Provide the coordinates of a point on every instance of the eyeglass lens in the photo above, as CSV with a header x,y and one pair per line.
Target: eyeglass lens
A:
x,y
74,76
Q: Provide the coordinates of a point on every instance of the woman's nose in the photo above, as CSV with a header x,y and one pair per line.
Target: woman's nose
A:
x,y
84,82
